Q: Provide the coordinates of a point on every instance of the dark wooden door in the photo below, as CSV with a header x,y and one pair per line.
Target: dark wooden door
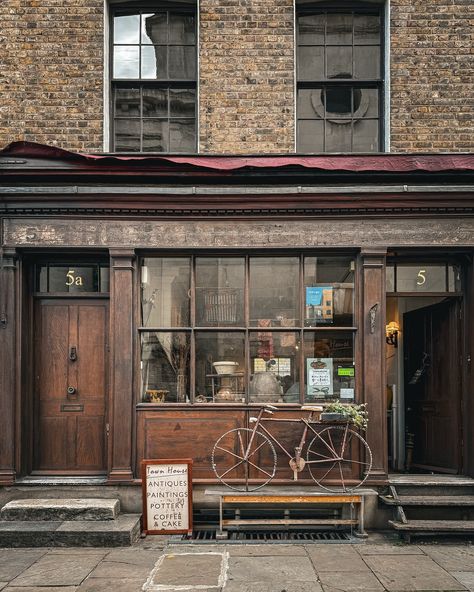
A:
x,y
70,386
431,343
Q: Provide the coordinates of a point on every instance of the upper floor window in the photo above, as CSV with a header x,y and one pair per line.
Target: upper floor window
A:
x,y
154,80
339,79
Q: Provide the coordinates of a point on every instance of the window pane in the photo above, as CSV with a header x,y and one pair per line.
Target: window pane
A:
x,y
219,291
454,276
329,291
126,62
421,278
220,367
366,103
182,63
339,29
155,135
165,367
153,62
127,102
366,136
165,292
274,283
104,279
154,28
310,104
310,63
329,366
310,136
390,278
366,29
155,102
182,29
182,135
339,62
367,63
73,278
338,136
274,359
182,102
338,102
127,29
127,135
311,29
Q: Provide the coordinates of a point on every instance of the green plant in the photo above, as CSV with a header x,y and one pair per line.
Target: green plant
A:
x,y
357,414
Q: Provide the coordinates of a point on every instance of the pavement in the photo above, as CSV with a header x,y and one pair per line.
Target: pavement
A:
x,y
157,563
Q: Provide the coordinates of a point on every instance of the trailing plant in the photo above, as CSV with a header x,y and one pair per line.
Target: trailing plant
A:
x,y
355,413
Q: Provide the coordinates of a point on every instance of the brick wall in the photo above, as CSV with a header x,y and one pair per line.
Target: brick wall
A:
x,y
432,75
51,72
246,76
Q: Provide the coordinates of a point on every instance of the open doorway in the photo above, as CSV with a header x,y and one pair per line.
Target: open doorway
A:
x,y
424,384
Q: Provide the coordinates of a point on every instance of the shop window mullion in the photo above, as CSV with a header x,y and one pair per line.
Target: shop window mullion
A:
x,y
246,323
192,355
302,317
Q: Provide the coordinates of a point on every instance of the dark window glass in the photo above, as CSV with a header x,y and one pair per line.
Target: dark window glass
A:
x,y
72,278
339,80
157,49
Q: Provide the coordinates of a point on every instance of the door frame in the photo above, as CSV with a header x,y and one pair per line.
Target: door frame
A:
x,y
26,400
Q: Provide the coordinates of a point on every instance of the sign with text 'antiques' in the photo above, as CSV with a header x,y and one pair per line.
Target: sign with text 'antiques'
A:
x,y
167,496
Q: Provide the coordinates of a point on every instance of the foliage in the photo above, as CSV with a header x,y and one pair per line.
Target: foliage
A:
x,y
357,414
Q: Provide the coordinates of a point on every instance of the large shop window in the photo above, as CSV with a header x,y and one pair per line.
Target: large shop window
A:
x,y
339,79
247,329
154,79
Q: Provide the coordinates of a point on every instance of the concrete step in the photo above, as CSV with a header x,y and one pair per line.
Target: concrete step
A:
x,y
429,500
434,526
121,532
60,510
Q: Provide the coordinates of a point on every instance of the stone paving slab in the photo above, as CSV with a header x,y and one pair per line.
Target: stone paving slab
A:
x,y
41,589
14,561
400,549
271,570
266,587
341,558
265,550
115,569
134,557
3,584
54,570
188,569
415,572
452,558
338,581
105,585
466,578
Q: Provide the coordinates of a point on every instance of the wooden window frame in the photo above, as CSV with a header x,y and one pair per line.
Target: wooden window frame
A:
x,y
300,330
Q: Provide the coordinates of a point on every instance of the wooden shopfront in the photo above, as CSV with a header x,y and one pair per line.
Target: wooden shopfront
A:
x,y
150,304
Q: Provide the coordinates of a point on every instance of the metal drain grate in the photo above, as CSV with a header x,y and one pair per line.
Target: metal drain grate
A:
x,y
209,535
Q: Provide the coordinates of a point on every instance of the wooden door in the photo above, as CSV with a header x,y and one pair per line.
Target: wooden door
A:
x,y
70,386
433,386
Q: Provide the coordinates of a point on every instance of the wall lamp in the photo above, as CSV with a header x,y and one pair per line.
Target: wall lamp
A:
x,y
391,333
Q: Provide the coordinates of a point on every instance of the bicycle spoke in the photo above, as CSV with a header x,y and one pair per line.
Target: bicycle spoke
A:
x,y
356,462
256,449
328,471
259,468
321,455
331,450
231,469
342,476
241,443
229,452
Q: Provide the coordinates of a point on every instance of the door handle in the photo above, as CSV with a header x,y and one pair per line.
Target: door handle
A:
x,y
71,391
73,354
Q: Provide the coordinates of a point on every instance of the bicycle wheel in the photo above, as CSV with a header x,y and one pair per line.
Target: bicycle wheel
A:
x,y
231,462
339,459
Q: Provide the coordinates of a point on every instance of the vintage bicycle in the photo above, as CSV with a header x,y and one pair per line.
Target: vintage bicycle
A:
x,y
337,457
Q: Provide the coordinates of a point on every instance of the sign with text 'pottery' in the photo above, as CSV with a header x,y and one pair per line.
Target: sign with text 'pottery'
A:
x,y
167,496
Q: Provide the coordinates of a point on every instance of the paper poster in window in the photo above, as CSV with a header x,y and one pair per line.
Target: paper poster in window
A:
x,y
319,377
319,304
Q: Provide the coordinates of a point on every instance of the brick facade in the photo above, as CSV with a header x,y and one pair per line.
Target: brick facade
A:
x,y
51,72
246,76
432,76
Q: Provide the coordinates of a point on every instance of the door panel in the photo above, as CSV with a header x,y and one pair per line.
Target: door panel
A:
x,y
432,385
70,351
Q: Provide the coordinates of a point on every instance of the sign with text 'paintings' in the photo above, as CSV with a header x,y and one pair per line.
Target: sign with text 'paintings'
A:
x,y
167,496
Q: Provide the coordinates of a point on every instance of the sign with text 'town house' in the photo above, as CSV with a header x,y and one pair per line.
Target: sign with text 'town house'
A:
x,y
167,496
